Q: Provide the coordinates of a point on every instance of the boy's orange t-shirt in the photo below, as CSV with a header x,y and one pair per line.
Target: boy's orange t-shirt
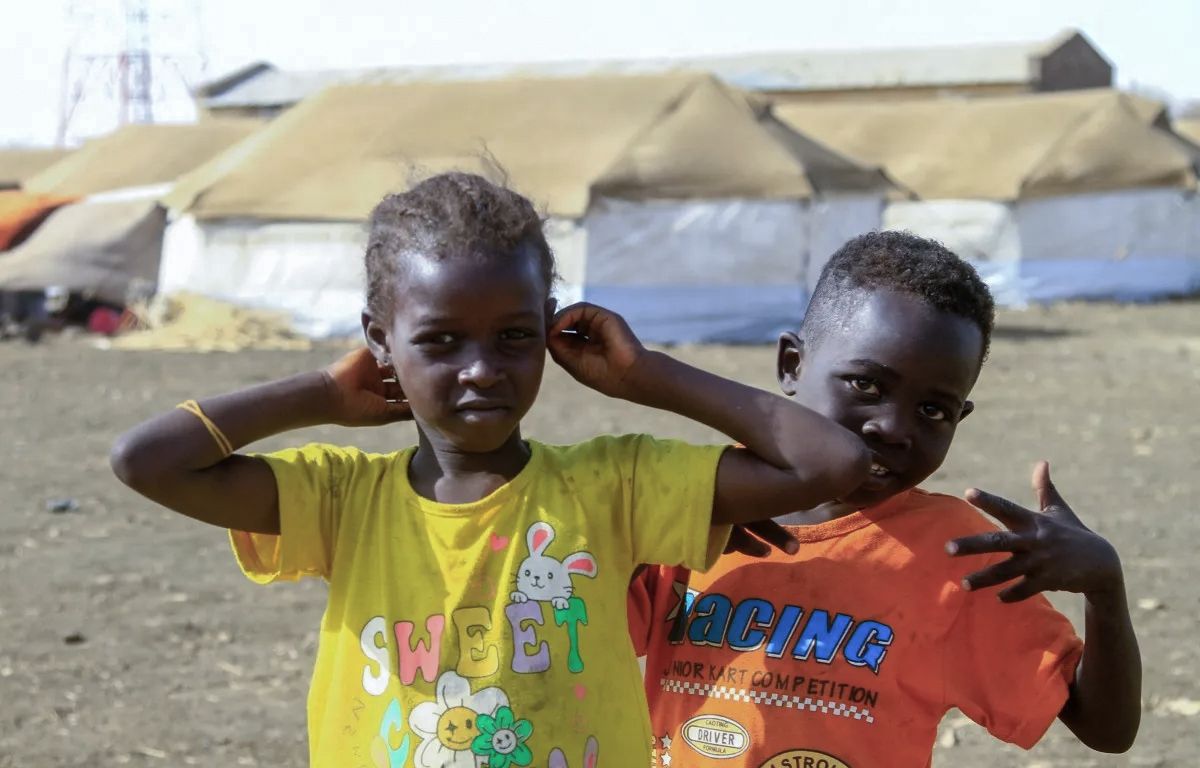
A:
x,y
847,654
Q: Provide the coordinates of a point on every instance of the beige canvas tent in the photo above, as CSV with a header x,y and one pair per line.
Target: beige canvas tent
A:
x,y
18,164
730,202
1069,195
1189,128
105,250
139,156
109,242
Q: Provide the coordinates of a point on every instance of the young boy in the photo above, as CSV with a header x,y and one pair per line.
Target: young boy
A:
x,y
849,652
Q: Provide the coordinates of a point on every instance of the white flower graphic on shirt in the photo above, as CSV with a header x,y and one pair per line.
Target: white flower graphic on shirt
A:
x,y
448,725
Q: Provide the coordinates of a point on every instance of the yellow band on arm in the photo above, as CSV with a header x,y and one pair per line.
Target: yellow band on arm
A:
x,y
192,407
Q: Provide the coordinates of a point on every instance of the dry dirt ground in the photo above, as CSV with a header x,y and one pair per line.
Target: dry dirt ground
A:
x,y
127,637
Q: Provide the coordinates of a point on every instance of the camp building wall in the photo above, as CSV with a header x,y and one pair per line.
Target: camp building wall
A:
x,y
736,270
673,199
311,270
1073,64
1127,244
733,270
1064,196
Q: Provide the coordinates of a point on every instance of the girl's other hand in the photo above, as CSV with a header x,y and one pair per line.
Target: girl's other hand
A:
x,y
596,347
364,393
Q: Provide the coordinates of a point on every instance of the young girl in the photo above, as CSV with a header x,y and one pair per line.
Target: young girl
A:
x,y
476,612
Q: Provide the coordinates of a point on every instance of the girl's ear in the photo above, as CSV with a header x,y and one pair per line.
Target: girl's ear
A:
x,y
377,341
789,360
551,311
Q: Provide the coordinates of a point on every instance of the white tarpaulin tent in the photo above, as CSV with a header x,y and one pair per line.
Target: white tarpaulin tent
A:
x,y
1064,196
102,248
672,199
106,245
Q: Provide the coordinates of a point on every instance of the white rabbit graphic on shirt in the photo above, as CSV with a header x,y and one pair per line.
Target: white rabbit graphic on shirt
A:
x,y
544,579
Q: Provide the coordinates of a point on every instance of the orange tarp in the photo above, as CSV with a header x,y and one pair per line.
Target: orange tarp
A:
x,y
21,213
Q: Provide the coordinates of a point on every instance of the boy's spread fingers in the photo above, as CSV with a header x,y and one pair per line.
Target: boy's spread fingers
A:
x,y
1043,486
999,573
985,543
1022,590
1010,513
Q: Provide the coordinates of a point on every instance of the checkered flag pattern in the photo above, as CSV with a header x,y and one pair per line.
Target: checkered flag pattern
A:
x,y
769,698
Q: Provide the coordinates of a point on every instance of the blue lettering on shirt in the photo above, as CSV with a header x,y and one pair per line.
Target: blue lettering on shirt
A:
x,y
714,620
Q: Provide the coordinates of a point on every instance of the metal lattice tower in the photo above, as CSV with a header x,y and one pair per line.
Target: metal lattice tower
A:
x,y
129,61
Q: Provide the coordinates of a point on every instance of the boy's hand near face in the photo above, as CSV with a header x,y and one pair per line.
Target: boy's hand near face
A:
x,y
1052,550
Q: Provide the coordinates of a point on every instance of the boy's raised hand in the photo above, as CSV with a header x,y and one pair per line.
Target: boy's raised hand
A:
x,y
595,346
1052,550
364,393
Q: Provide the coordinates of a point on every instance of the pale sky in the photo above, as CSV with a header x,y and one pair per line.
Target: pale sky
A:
x,y
1155,44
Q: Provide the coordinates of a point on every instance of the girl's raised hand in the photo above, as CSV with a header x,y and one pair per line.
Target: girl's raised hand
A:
x,y
364,393
596,347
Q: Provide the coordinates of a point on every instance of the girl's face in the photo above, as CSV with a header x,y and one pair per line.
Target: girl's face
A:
x,y
468,344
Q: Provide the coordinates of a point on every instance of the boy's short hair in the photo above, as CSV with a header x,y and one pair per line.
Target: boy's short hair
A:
x,y
902,262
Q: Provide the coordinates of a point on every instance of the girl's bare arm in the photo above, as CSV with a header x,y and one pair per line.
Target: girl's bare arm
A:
x,y
174,460
796,458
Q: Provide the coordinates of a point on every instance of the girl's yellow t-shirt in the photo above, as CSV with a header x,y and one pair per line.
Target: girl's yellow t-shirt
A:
x,y
486,634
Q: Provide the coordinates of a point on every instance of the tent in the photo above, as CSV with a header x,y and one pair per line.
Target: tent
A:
x,y
17,164
1189,128
108,240
21,213
103,249
674,199
1063,196
139,156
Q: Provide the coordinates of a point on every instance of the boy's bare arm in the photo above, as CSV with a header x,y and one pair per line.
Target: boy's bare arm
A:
x,y
796,458
1104,708
173,460
1054,551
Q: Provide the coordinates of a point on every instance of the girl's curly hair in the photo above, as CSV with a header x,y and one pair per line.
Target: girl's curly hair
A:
x,y
451,215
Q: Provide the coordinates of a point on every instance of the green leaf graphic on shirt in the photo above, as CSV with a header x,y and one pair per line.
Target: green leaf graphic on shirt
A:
x,y
502,739
573,615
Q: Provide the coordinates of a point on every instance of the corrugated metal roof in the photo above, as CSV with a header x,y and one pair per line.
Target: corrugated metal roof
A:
x,y
814,71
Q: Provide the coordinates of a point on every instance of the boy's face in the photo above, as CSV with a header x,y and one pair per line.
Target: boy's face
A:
x,y
896,372
468,343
